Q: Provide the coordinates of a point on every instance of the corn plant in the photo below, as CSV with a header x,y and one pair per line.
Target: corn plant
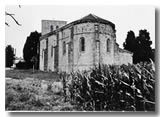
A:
x,y
113,88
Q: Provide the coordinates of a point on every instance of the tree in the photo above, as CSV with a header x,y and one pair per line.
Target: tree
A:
x,y
129,44
31,49
143,50
140,46
10,57
34,61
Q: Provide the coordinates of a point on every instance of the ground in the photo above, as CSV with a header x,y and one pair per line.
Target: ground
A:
x,y
26,90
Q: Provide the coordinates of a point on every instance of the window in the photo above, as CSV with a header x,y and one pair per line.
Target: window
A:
x,y
51,51
64,47
57,27
51,28
82,44
96,27
42,53
108,45
97,44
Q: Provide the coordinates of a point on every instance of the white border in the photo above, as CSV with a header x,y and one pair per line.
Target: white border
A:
x,y
155,3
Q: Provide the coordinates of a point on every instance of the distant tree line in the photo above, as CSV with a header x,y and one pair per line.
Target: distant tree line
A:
x,y
140,46
10,56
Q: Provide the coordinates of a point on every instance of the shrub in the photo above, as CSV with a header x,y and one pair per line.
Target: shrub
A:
x,y
22,65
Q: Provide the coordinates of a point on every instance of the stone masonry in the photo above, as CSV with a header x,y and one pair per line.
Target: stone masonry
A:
x,y
80,45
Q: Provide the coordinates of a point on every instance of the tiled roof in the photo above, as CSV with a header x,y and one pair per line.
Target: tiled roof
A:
x,y
94,18
89,18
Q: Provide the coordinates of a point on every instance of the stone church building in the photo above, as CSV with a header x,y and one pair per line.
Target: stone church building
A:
x,y
80,45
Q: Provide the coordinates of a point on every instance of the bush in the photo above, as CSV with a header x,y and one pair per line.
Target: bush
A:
x,y
22,65
114,88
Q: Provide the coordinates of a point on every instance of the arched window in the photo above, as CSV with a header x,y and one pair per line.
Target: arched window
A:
x,y
64,47
51,28
42,53
57,27
108,45
82,44
51,51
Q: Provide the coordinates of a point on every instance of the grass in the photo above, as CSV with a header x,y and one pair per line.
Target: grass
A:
x,y
28,95
21,74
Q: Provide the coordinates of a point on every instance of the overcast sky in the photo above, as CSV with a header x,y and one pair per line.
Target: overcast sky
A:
x,y
125,18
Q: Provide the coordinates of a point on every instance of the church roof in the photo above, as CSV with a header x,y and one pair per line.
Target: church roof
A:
x,y
94,18
89,18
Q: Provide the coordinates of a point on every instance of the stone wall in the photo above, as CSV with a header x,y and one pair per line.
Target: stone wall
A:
x,y
52,43
95,48
42,48
123,58
81,60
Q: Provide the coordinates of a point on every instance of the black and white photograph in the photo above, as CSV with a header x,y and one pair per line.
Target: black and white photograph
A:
x,y
79,58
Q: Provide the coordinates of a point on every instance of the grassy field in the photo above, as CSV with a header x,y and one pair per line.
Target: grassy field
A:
x,y
21,74
24,92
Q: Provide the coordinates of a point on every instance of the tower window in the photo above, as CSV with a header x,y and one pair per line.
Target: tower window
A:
x,y
82,44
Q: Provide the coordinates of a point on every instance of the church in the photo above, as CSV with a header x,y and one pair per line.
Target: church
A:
x,y
80,45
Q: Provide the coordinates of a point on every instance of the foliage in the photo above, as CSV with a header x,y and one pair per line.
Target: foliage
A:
x,y
140,46
21,65
31,49
143,44
9,56
114,88
129,44
103,88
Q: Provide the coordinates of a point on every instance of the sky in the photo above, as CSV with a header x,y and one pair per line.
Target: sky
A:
x,y
125,18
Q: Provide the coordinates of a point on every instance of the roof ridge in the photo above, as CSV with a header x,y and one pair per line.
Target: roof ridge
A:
x,y
94,16
85,16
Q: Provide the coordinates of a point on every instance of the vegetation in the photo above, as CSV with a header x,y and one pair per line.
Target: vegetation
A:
x,y
140,46
104,88
22,74
31,50
10,57
114,88
28,95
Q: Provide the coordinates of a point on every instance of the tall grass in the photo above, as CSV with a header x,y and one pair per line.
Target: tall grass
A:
x,y
113,88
